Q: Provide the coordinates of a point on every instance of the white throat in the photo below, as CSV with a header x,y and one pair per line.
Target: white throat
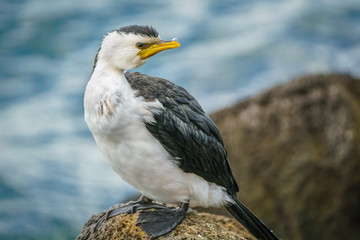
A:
x,y
107,94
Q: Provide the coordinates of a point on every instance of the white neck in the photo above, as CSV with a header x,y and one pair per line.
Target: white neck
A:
x,y
108,78
106,84
104,68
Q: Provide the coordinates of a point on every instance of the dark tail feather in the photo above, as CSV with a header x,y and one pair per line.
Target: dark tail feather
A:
x,y
250,221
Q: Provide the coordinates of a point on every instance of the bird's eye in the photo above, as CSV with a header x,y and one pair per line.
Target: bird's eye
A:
x,y
139,45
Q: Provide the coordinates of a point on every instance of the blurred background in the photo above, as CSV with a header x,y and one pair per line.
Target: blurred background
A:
x,y
52,176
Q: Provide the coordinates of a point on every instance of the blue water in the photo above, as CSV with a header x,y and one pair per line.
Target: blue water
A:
x,y
52,176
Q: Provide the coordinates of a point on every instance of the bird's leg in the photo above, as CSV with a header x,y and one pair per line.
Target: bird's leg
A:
x,y
161,221
131,207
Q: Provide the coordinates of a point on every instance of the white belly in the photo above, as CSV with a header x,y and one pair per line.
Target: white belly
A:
x,y
141,161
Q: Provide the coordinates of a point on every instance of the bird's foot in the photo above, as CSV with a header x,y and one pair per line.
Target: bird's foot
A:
x,y
131,207
161,221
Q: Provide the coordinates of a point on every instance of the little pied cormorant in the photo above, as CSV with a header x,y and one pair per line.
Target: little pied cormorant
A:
x,y
157,137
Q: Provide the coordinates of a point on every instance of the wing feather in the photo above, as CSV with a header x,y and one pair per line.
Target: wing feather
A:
x,y
185,131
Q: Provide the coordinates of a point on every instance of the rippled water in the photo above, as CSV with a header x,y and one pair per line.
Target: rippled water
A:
x,y
52,176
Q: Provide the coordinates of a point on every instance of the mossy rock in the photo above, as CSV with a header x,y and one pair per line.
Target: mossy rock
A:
x,y
195,226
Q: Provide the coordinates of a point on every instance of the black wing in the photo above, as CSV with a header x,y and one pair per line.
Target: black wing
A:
x,y
185,131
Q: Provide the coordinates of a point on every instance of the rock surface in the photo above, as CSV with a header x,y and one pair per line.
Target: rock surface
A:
x,y
295,152
195,226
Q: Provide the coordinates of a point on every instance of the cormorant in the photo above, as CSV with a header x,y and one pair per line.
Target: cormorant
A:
x,y
157,137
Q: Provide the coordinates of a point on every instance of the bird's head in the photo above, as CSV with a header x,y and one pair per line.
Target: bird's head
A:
x,y
129,47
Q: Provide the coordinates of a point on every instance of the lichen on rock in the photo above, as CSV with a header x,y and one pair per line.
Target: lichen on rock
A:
x,y
195,226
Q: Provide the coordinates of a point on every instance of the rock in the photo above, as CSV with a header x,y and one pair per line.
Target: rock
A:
x,y
295,152
195,226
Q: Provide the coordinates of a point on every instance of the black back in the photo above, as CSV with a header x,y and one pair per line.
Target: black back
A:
x,y
185,131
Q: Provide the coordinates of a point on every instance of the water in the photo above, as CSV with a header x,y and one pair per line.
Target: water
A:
x,y
52,176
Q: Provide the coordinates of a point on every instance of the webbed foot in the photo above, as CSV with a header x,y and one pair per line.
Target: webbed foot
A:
x,y
161,221
131,207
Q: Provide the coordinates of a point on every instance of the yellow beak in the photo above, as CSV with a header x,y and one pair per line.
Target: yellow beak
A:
x,y
158,47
